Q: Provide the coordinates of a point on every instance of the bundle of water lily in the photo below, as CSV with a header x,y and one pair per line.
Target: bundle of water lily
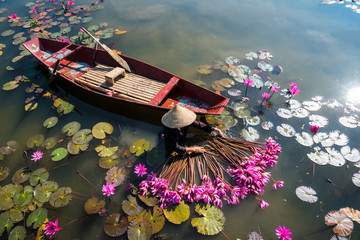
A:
x,y
229,170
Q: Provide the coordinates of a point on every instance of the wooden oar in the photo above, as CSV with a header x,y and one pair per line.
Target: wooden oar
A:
x,y
115,56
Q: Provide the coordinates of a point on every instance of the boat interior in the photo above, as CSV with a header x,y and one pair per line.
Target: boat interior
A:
x,y
97,71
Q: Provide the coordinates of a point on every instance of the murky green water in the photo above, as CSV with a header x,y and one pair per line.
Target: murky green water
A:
x,y
317,46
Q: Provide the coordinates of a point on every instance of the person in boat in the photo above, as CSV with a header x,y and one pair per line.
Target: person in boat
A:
x,y
176,122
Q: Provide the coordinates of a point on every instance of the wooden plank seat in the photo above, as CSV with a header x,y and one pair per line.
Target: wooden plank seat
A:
x,y
160,96
61,54
132,86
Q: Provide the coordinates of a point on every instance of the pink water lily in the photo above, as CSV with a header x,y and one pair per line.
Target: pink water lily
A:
x,y
34,10
36,156
314,129
263,204
278,184
140,170
247,82
108,189
51,228
67,40
70,3
283,233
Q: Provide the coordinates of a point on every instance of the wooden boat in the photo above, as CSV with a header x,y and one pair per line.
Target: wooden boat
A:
x,y
94,76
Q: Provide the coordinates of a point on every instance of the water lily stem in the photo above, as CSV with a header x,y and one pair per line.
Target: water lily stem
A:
x,y
78,172
225,235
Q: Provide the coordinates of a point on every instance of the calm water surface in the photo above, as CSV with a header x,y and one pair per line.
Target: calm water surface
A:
x,y
317,46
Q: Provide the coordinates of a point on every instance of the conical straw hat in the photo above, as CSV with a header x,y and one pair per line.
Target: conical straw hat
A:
x,y
178,117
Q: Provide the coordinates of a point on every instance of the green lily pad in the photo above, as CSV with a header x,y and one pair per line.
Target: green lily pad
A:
x,y
242,113
55,35
10,147
65,30
36,218
140,231
4,173
204,69
23,199
44,190
35,140
199,82
71,128
25,53
40,174
65,108
211,223
6,202
157,220
17,213
87,19
148,200
50,122
115,176
100,129
20,176
19,40
7,33
49,143
10,85
104,151
177,214
76,148
115,226
5,222
93,205
59,154
93,28
83,136
107,35
61,197
17,233
131,207
109,162
140,146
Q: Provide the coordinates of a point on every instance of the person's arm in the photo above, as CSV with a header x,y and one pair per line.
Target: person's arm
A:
x,y
207,128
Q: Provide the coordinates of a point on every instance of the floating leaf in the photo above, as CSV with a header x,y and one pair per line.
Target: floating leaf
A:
x,y
36,218
20,176
211,223
31,106
254,236
284,113
10,85
40,174
5,222
109,162
250,134
232,60
76,148
23,199
140,146
319,157
93,205
131,207
61,197
19,40
356,179
18,233
35,140
344,225
115,226
216,85
336,158
50,122
318,120
353,214
304,139
65,108
49,143
115,176
352,155
177,214
44,190
300,112
286,130
17,213
59,154
4,173
7,33
306,194
104,151
157,220
204,69
141,230
100,129
83,136
93,28
234,92
71,128
149,201
125,153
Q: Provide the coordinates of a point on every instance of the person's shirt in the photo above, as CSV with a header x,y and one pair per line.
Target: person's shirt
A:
x,y
175,137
